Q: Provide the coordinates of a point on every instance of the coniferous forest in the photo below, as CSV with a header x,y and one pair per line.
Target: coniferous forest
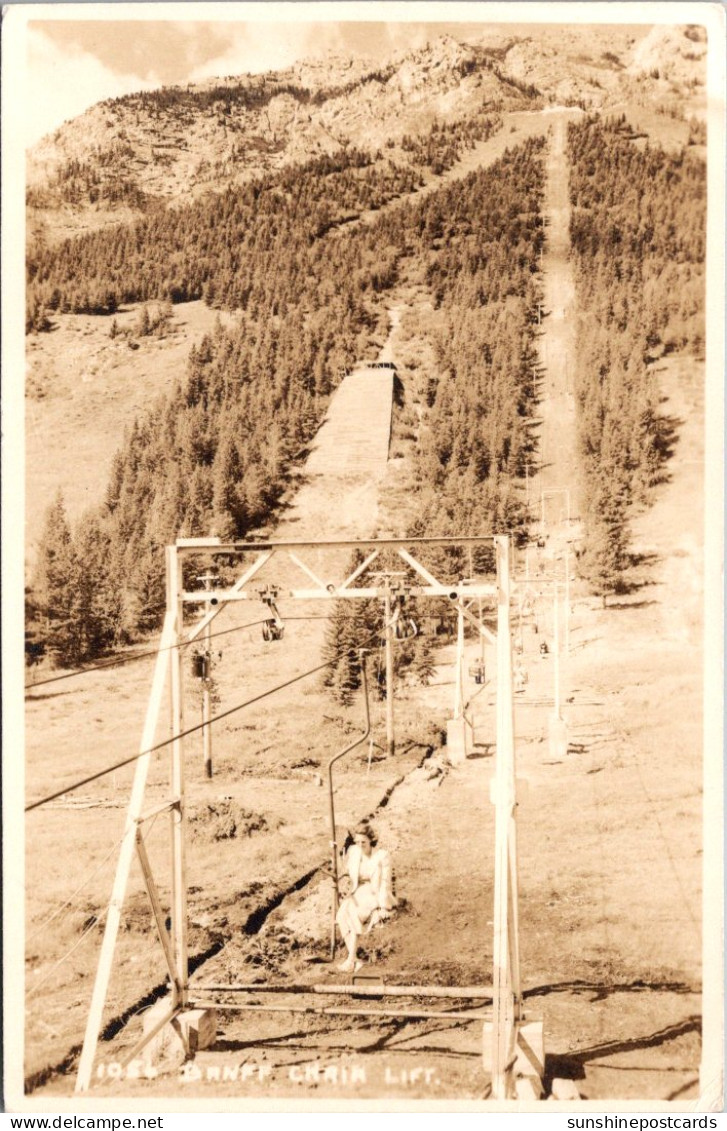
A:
x,y
309,292
212,457
638,243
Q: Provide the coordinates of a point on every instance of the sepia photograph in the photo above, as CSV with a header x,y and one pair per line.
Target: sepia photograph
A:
x,y
362,536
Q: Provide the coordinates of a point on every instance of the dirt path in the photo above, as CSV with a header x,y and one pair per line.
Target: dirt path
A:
x,y
558,450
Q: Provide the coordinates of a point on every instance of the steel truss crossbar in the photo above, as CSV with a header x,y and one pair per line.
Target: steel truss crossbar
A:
x,y
216,546
452,592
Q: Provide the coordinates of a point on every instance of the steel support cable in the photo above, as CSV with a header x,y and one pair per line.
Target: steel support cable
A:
x,y
118,662
44,925
84,883
92,927
175,738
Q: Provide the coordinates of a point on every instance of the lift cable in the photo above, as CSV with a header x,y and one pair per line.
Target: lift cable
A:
x,y
91,927
84,883
118,661
175,738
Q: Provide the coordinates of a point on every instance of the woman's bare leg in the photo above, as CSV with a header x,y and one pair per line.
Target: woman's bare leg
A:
x,y
349,934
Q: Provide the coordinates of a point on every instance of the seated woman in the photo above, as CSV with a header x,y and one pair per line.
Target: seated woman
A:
x,y
371,899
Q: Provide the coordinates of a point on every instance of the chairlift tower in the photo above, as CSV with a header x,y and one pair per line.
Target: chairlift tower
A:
x,y
508,1037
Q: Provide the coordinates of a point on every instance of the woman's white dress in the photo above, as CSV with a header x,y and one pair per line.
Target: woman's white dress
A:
x,y
372,889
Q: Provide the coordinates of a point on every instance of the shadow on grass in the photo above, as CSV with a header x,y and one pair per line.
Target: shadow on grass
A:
x,y
604,990
571,1066
630,604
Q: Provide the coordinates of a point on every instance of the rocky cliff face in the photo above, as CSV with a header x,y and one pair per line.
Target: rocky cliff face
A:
x,y
129,155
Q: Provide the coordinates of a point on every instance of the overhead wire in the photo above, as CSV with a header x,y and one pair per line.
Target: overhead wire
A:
x,y
119,661
96,919
183,734
91,927
84,883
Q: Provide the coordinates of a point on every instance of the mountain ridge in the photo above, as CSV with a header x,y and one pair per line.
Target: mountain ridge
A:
x,y
128,155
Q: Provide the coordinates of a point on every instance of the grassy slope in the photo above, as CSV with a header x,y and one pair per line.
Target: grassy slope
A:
x,y
610,844
83,390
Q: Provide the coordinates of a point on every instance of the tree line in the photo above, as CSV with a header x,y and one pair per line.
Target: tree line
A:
x,y
212,456
478,436
638,245
476,244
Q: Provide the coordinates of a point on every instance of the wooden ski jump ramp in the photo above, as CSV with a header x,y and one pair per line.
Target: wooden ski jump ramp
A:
x,y
339,494
354,437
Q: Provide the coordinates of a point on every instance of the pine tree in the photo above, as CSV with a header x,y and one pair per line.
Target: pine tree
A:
x,y
98,601
605,560
35,646
55,587
423,665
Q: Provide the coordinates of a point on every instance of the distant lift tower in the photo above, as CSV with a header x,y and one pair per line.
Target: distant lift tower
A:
x,y
512,1043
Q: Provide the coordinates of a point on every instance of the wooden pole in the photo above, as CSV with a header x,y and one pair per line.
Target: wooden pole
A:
x,y
505,981
361,989
567,602
389,655
156,906
126,855
338,1011
206,715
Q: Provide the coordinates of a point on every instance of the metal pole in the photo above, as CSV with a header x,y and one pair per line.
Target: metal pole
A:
x,y
505,982
331,805
206,697
389,653
458,690
179,869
